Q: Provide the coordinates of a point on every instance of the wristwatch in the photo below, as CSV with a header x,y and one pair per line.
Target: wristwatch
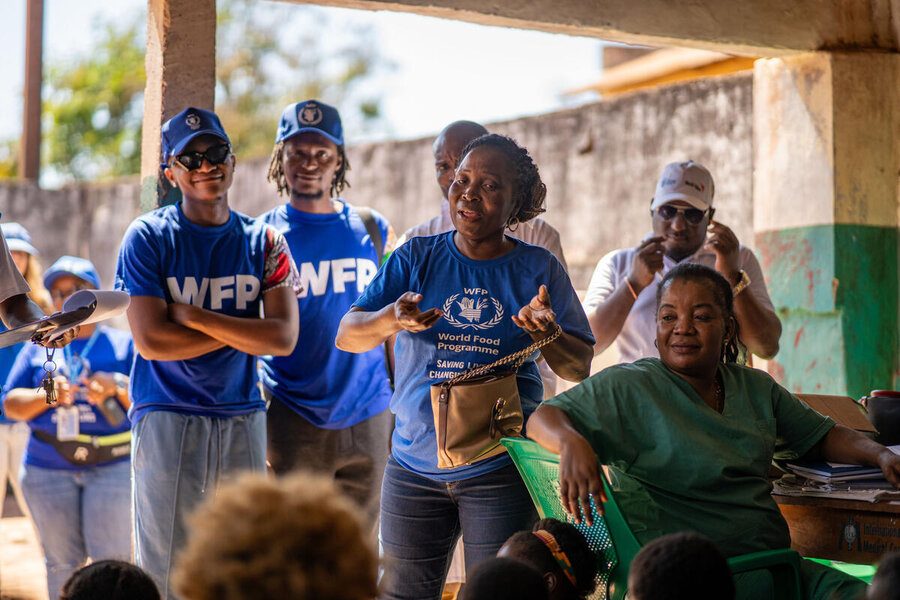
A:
x,y
121,383
743,283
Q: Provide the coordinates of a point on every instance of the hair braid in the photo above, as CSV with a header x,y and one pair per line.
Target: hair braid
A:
x,y
276,172
529,191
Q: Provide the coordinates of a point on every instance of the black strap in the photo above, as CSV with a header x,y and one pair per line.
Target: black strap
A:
x,y
368,219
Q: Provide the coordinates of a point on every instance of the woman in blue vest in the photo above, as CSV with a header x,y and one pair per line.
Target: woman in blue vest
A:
x,y
76,475
484,296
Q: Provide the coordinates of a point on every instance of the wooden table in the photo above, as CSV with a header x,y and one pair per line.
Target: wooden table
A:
x,y
846,530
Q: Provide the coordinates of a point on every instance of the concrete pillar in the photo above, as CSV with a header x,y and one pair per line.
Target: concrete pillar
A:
x,y
181,72
826,138
30,150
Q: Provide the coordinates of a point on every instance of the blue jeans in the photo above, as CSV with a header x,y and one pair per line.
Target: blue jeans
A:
x,y
421,520
79,514
178,461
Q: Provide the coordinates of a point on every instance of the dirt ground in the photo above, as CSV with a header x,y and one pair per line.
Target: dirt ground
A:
x,y
22,575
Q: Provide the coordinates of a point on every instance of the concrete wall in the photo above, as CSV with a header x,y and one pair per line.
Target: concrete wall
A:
x,y
600,163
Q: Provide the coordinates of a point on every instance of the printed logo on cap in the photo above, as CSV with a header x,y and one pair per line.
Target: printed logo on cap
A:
x,y
697,186
310,114
192,121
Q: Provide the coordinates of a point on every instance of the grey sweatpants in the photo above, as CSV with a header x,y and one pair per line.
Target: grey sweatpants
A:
x,y
354,456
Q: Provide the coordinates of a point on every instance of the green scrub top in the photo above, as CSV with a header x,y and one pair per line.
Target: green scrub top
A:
x,y
676,464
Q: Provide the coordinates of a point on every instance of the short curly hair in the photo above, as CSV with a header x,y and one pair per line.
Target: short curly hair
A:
x,y
528,191
110,579
680,566
296,537
529,548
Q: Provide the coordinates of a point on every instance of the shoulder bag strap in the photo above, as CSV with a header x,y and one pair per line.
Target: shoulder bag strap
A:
x,y
517,358
368,219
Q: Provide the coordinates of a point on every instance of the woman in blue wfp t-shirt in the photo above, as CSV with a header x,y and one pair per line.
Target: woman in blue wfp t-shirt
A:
x,y
76,475
488,296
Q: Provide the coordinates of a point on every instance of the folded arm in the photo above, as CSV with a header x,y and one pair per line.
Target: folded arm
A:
x,y
275,333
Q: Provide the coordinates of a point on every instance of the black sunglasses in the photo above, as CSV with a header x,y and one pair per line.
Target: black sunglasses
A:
x,y
693,216
216,155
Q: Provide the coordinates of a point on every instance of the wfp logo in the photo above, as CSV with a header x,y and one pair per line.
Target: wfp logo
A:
x,y
473,309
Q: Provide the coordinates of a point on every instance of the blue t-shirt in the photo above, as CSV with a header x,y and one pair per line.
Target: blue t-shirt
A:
x,y
111,352
7,358
328,387
478,298
219,268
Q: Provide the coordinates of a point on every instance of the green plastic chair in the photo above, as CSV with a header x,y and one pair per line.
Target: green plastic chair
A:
x,y
612,540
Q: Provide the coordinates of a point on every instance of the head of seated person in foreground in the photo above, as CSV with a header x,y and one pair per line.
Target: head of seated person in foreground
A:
x,y
295,537
504,579
680,566
886,581
110,580
560,552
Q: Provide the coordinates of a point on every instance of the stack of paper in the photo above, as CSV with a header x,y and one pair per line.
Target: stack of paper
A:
x,y
829,472
793,485
835,480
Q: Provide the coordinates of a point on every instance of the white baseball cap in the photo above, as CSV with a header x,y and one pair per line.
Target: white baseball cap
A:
x,y
687,181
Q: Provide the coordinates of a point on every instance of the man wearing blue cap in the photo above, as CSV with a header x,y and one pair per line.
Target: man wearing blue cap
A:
x,y
329,408
198,274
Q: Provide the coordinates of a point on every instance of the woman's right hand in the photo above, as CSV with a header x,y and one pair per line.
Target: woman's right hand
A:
x,y
64,391
580,479
410,318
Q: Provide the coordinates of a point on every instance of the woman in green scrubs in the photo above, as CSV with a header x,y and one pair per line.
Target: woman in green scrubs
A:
x,y
689,437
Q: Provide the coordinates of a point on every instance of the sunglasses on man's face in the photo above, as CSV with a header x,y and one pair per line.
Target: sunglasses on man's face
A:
x,y
216,155
693,216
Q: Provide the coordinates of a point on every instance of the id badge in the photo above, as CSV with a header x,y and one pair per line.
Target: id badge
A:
x,y
67,423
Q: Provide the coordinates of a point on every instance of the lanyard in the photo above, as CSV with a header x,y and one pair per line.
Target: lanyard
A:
x,y
75,367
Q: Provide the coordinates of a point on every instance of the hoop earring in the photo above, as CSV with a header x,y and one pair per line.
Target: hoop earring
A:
x,y
513,223
656,343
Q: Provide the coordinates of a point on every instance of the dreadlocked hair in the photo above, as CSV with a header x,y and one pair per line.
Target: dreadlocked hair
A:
x,y
276,172
734,351
528,191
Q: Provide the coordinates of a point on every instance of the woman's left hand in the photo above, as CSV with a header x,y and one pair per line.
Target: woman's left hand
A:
x,y
890,466
99,386
537,316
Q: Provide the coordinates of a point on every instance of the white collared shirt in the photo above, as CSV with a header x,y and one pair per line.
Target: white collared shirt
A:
x,y
635,341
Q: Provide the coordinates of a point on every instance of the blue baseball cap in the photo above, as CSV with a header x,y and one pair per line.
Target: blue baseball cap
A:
x,y
18,238
310,115
192,122
72,265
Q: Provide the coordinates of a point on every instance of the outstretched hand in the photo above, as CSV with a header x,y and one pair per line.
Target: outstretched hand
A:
x,y
537,315
410,318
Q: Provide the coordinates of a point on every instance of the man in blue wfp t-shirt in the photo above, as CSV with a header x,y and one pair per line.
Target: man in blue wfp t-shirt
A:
x,y
329,408
198,274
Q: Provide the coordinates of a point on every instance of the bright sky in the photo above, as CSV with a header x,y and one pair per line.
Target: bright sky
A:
x,y
445,70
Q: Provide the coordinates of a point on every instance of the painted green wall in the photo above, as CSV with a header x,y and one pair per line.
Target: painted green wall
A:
x,y
835,289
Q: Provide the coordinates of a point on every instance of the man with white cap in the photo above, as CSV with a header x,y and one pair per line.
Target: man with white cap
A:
x,y
621,299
